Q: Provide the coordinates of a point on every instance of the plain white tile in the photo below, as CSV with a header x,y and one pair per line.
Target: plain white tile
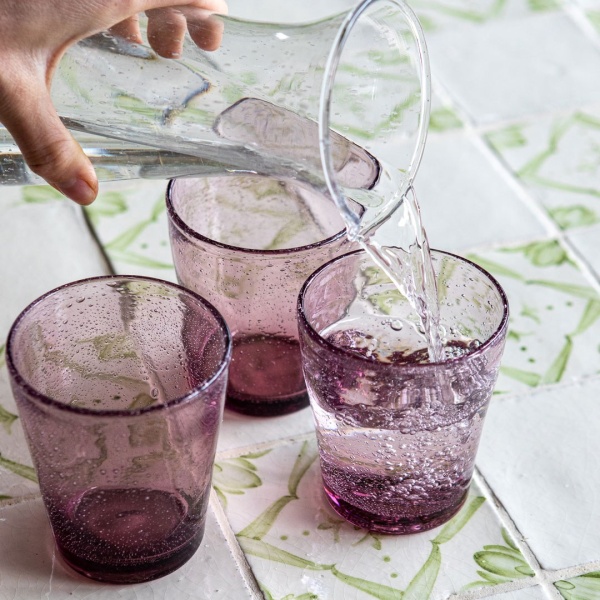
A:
x,y
466,200
29,568
517,67
539,453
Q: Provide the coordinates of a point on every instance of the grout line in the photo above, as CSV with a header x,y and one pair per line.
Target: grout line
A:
x,y
13,501
94,235
569,572
233,545
541,576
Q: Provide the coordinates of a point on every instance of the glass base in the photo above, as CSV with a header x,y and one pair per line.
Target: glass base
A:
x,y
393,526
135,571
267,407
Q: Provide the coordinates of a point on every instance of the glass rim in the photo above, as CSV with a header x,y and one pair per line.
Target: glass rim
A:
x,y
32,392
192,233
374,364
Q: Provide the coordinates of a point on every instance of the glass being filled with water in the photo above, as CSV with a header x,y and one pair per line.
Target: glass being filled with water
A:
x,y
397,431
120,385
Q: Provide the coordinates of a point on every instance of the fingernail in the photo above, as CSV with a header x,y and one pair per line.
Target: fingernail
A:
x,y
78,190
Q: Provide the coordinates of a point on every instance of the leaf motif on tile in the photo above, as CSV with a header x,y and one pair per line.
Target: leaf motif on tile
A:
x,y
7,419
24,471
509,137
235,475
495,268
500,564
307,596
527,377
262,549
531,171
376,590
548,253
583,587
263,523
108,204
112,346
463,14
443,119
577,215
2,355
40,194
557,369
373,538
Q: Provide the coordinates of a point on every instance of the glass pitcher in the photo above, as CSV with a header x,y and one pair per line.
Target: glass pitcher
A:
x,y
343,101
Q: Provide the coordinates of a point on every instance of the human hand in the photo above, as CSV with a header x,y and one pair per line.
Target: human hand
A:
x,y
34,34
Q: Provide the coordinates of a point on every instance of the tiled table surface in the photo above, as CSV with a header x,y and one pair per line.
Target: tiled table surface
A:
x,y
511,178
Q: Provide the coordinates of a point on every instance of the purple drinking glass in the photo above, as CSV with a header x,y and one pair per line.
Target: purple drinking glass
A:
x,y
120,384
247,243
397,434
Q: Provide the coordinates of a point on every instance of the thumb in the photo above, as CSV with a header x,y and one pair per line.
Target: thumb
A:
x,y
27,112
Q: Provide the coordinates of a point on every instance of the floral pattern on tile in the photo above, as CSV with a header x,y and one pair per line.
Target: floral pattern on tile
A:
x,y
130,221
558,159
583,587
543,284
299,548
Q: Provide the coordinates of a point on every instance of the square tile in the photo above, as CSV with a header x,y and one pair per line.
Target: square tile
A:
x,y
517,67
30,568
130,220
558,159
297,545
584,586
50,245
438,15
587,243
466,200
554,325
538,453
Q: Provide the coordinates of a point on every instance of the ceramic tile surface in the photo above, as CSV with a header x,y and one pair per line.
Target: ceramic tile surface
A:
x,y
510,179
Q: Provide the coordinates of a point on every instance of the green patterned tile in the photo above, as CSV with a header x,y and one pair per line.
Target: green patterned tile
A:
x,y
554,324
583,587
130,221
299,548
441,14
558,159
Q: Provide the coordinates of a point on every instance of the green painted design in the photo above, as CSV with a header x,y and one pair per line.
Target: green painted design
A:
x,y
443,119
261,549
542,5
581,291
374,539
530,172
594,17
376,590
263,523
334,525
578,215
307,596
375,276
557,369
2,355
500,564
470,15
385,301
142,400
108,204
548,253
453,526
234,476
7,419
589,317
5,497
419,588
282,238
494,268
138,260
136,106
40,194
509,137
18,469
583,587
527,377
112,346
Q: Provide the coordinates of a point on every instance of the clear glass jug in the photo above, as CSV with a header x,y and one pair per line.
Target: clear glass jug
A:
x,y
342,102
